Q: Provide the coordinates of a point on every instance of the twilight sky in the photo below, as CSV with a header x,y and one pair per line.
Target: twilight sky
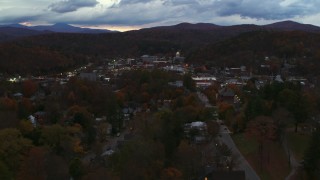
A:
x,y
134,14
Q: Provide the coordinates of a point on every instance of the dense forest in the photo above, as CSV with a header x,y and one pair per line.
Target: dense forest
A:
x,y
251,49
198,45
57,146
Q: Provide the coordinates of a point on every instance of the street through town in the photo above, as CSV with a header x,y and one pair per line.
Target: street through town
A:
x,y
226,139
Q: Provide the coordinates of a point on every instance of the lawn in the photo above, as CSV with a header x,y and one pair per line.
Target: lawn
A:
x,y
275,163
298,143
245,145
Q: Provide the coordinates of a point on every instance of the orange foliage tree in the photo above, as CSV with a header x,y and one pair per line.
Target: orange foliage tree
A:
x,y
29,87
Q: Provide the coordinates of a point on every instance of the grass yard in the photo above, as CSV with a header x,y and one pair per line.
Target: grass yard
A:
x,y
275,163
298,143
245,145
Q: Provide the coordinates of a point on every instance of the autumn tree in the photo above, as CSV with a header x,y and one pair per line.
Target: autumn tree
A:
x,y
224,157
4,171
254,107
25,108
188,160
54,110
296,104
13,148
171,173
213,128
56,167
262,129
171,132
33,167
80,115
139,158
100,173
8,104
312,156
187,114
62,140
8,112
281,118
29,87
225,111
30,131
102,131
76,168
189,83
211,93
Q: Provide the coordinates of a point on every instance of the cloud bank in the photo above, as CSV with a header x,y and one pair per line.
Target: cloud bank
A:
x,y
146,13
71,5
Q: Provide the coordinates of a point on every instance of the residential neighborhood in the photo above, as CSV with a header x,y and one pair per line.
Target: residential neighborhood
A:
x,y
107,106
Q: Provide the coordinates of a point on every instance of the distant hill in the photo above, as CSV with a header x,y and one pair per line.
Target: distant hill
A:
x,y
292,26
183,32
66,28
188,26
282,26
60,27
203,33
10,33
14,31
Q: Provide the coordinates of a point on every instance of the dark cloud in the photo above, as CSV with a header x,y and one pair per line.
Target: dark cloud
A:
x,y
270,9
71,5
181,2
129,2
159,12
15,20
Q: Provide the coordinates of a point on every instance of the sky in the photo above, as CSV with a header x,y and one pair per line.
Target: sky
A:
x,y
126,15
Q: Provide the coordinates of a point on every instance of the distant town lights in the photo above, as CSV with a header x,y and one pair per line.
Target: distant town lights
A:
x,y
13,80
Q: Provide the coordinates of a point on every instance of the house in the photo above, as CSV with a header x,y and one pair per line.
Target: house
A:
x,y
278,79
103,119
127,112
33,121
260,83
199,125
196,131
17,96
40,117
204,81
176,84
235,71
235,82
226,94
178,59
108,152
88,76
149,59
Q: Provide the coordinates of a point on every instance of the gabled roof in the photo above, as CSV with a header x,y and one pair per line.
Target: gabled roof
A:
x,y
226,92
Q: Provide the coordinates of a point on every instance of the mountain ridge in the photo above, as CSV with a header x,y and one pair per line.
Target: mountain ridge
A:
x,y
198,32
281,25
60,27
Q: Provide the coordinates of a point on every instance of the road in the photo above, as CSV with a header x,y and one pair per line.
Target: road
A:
x,y
294,164
226,139
243,163
109,146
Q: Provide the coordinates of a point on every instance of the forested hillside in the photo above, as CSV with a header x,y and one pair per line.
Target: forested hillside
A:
x,y
251,49
50,52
